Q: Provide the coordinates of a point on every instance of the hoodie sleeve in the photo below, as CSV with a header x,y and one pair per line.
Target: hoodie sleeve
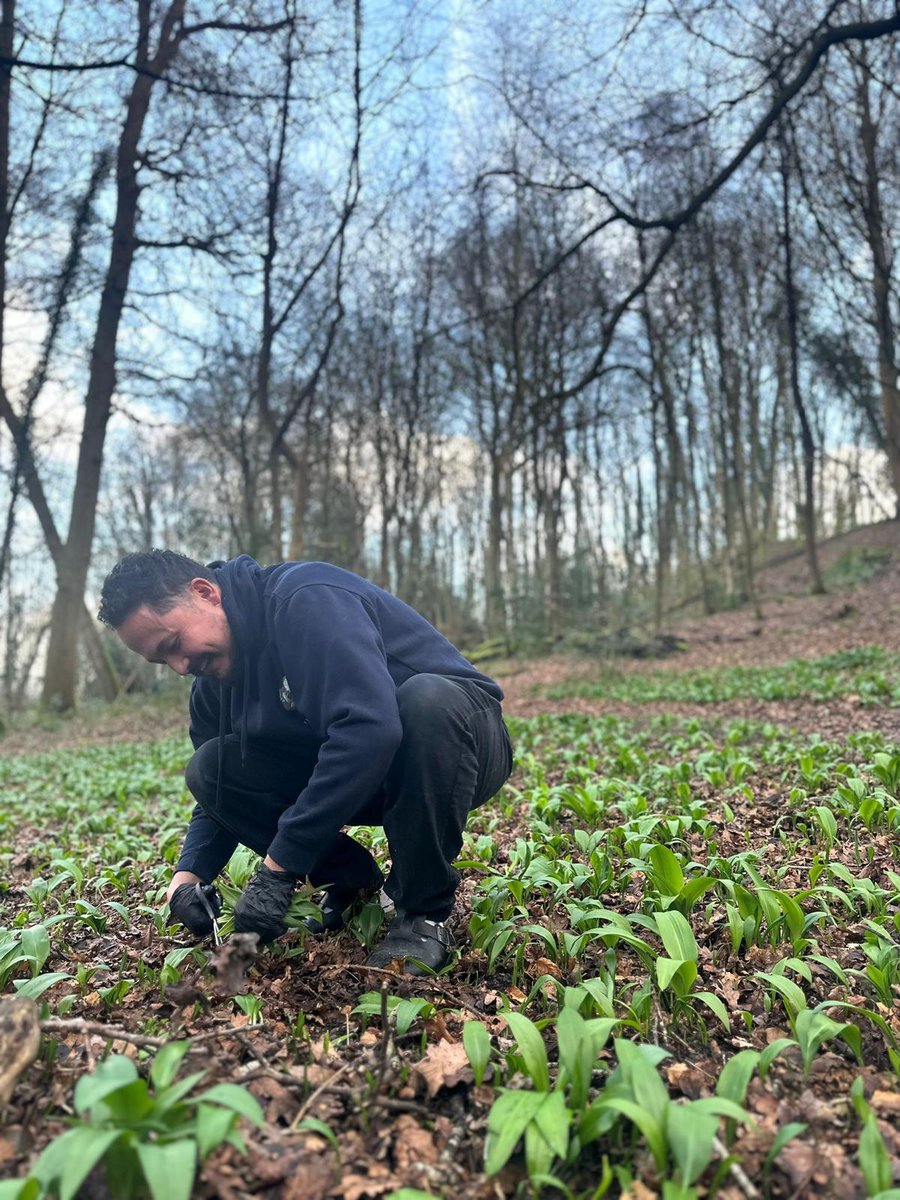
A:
x,y
335,662
207,846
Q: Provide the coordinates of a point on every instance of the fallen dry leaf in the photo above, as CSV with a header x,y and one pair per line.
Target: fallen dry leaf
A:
x,y
445,1065
730,987
805,1107
269,1168
223,1180
313,1180
773,1033
313,1074
886,1102
443,1131
276,1099
412,1143
765,1104
543,966
437,1028
832,1164
362,1187
689,1080
798,1160
639,1191
320,1052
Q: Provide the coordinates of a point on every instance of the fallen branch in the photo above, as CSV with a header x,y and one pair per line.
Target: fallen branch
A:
x,y
289,1083
114,1034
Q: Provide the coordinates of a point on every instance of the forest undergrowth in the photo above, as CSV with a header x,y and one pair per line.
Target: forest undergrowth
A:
x,y
677,973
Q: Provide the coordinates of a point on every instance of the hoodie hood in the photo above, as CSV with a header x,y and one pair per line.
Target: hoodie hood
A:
x,y
242,587
239,579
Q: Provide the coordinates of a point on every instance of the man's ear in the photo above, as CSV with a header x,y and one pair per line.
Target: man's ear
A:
x,y
205,589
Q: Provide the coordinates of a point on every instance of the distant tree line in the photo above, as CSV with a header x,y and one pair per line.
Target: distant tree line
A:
x,y
547,323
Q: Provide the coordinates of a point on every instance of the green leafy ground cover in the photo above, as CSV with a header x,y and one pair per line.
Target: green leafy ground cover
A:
x,y
678,977
869,673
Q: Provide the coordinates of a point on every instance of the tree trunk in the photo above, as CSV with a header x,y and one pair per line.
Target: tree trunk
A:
x,y
7,46
493,573
669,467
731,398
881,283
71,576
806,435
301,485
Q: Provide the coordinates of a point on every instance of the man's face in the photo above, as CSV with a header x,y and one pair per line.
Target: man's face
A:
x,y
193,637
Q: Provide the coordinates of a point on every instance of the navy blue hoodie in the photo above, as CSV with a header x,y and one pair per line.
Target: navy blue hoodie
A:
x,y
319,654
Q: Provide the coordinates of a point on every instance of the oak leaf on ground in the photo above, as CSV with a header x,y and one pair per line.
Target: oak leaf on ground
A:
x,y
445,1065
412,1143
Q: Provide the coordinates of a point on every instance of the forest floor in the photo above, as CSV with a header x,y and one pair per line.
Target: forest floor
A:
x,y
695,862
854,613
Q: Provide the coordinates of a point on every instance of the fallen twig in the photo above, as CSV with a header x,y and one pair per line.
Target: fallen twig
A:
x,y
385,1101
424,981
737,1171
114,1034
323,1087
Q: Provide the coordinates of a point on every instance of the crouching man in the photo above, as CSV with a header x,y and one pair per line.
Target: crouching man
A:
x,y
319,701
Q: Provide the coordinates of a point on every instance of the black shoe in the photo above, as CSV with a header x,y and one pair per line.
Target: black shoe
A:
x,y
422,945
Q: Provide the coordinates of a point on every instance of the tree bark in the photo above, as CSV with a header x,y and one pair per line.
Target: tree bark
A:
x,y
71,576
731,398
881,281
806,435
7,46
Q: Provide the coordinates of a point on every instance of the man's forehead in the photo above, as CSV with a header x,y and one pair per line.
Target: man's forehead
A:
x,y
145,628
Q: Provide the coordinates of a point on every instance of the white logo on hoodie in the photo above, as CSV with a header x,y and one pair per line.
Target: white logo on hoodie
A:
x,y
285,696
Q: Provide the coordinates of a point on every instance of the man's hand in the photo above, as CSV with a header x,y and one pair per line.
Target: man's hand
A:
x,y
262,907
188,908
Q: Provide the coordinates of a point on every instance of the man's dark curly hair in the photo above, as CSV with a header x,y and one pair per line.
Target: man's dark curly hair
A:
x,y
157,578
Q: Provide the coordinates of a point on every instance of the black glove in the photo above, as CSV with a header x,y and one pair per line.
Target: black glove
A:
x,y
262,907
187,907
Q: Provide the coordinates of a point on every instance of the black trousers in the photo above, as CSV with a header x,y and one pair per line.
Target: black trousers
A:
x,y
454,755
